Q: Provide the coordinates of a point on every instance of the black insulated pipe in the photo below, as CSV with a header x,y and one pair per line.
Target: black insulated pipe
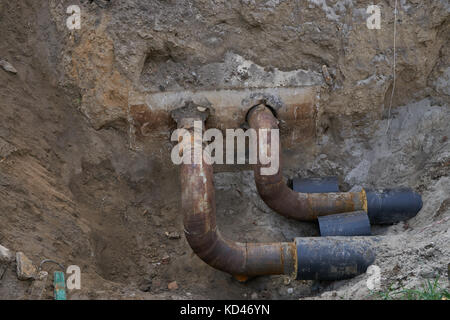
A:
x,y
388,206
332,258
384,206
316,185
354,223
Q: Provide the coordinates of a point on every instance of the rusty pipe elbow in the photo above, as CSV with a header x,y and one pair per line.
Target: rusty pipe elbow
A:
x,y
280,198
202,234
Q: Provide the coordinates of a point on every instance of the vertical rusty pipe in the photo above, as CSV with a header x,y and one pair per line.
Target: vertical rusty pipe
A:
x,y
198,205
279,197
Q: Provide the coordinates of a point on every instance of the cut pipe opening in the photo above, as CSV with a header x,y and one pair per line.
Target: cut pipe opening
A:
x,y
345,224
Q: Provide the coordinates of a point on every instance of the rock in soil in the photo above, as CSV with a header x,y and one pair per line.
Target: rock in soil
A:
x,y
7,66
172,235
5,254
172,286
25,268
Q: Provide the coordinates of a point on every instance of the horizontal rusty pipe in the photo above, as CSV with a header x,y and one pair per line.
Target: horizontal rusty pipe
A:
x,y
279,197
198,205
297,259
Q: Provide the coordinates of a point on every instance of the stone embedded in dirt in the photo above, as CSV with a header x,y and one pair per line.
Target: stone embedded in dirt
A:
x,y
5,254
326,75
254,296
165,259
172,286
7,66
172,235
42,275
25,268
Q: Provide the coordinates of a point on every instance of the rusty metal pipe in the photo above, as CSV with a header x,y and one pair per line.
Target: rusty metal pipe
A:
x,y
278,196
243,260
198,205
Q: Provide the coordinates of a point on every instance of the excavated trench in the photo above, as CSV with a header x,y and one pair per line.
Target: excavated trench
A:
x,y
85,171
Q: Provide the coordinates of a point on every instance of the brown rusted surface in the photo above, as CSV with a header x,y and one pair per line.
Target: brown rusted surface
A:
x,y
242,260
279,197
147,123
150,112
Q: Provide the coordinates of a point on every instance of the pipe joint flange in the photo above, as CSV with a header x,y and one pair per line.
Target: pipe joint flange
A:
x,y
190,112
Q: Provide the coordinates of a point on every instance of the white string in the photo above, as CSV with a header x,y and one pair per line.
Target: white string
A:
x,y
393,67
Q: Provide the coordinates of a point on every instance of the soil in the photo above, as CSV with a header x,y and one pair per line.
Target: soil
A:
x,y
78,186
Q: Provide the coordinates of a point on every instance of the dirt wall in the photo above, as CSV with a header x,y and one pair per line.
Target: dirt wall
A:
x,y
79,186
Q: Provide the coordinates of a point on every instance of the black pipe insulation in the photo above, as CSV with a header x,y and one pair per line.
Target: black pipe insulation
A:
x,y
354,223
384,206
332,258
316,185
388,206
